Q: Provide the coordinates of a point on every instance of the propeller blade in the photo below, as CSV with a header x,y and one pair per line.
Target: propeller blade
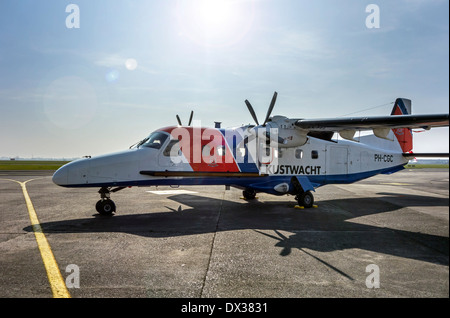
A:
x,y
190,118
252,112
272,104
179,120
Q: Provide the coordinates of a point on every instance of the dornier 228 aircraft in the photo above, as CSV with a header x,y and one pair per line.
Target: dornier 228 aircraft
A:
x,y
280,156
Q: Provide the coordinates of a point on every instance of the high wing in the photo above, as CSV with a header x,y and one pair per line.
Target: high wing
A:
x,y
374,122
400,122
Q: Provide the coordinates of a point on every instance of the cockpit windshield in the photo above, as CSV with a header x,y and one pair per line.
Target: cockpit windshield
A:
x,y
155,140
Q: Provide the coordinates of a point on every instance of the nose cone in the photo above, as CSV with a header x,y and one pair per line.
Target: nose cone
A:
x,y
60,177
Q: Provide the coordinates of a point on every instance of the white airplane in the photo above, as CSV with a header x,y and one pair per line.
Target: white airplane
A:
x,y
280,156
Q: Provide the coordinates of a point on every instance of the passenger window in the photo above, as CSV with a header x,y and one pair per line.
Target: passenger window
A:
x,y
298,153
314,154
172,148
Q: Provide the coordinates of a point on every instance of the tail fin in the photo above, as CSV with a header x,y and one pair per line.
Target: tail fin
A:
x,y
402,106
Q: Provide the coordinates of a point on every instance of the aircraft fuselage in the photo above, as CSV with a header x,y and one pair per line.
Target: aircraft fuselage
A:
x,y
209,156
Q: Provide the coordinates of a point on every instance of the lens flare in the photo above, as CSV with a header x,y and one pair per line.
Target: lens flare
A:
x,y
112,76
131,64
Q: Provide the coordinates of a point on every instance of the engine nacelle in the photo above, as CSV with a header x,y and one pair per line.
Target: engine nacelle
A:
x,y
292,135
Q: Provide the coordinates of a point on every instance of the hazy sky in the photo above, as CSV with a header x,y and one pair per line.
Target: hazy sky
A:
x,y
131,66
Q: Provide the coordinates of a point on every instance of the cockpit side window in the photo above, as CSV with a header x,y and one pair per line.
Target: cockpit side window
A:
x,y
155,140
173,148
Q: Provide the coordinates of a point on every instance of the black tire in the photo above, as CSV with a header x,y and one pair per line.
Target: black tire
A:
x,y
105,207
98,206
249,194
305,199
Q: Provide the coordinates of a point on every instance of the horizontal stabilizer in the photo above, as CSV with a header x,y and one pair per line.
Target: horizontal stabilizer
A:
x,y
425,155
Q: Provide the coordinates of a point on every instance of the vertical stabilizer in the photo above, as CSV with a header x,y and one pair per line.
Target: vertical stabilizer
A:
x,y
404,135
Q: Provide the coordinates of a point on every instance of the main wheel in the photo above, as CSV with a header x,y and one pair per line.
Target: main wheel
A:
x,y
305,199
105,207
249,194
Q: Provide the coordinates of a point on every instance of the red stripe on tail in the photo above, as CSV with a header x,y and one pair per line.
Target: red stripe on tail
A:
x,y
403,135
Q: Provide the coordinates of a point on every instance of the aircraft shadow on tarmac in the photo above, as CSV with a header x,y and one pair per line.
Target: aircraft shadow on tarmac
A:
x,y
327,228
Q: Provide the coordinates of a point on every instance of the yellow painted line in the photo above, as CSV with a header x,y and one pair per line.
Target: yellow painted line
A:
x,y
302,207
55,278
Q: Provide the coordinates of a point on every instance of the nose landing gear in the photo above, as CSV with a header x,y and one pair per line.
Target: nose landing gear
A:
x,y
106,206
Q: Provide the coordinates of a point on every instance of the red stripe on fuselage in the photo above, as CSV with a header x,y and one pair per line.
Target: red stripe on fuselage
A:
x,y
204,148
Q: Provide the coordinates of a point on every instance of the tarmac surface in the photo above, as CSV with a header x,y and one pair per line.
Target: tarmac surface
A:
x,y
389,232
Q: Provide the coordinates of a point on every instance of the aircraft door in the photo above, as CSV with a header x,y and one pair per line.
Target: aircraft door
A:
x,y
337,160
365,161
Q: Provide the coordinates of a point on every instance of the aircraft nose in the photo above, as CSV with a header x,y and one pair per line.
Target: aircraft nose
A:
x,y
60,177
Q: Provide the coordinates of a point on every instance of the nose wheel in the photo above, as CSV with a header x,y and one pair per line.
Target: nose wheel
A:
x,y
106,206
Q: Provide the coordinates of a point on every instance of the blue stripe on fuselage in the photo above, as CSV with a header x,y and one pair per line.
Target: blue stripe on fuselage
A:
x,y
262,184
233,138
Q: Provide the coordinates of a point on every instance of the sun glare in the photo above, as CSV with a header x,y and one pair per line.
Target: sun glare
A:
x,y
215,13
215,22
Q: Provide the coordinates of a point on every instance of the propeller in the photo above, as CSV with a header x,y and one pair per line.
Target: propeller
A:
x,y
252,112
190,119
269,111
254,130
272,104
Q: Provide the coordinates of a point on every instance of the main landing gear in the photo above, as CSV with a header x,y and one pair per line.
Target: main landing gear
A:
x,y
305,199
249,194
106,206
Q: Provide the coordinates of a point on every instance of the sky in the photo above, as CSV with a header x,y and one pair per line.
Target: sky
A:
x,y
100,77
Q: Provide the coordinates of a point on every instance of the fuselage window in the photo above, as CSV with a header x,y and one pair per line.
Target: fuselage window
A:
x,y
298,153
314,154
